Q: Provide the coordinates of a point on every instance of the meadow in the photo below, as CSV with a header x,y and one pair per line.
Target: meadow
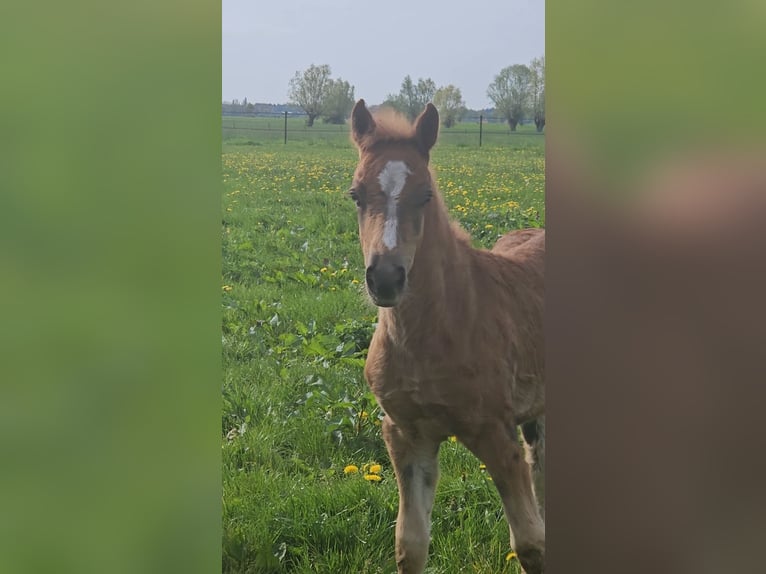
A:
x,y
307,485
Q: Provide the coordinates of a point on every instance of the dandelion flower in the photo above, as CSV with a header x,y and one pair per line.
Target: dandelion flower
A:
x,y
452,438
375,469
510,556
323,270
482,467
227,288
372,477
351,469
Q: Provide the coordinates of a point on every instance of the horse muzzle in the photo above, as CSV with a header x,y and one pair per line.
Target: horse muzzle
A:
x,y
385,281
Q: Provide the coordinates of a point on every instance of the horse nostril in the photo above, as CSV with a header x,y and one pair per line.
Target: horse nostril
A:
x,y
399,275
369,277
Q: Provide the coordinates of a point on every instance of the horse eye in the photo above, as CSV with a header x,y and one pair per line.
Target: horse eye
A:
x,y
427,197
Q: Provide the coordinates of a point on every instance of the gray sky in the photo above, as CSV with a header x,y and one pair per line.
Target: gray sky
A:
x,y
374,45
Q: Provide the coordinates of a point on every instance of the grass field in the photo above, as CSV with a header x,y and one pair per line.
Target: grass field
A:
x,y
296,410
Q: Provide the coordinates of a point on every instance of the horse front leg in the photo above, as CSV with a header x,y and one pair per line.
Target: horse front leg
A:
x,y
416,463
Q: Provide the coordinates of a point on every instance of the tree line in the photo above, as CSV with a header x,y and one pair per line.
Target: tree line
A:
x,y
518,93
321,96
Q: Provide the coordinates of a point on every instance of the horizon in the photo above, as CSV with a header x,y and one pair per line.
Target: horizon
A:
x,y
294,105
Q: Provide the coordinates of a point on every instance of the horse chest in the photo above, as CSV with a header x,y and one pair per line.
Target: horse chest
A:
x,y
413,393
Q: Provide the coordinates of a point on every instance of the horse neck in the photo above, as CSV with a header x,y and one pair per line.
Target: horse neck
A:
x,y
438,280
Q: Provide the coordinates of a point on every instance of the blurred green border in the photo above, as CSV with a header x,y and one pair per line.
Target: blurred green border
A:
x,y
110,258
632,84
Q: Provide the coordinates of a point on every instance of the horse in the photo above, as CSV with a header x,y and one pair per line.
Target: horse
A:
x,y
459,346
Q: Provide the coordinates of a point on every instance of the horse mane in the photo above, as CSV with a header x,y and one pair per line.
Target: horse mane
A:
x,y
391,127
460,234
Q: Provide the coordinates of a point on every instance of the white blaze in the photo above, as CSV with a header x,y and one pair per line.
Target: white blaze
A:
x,y
392,180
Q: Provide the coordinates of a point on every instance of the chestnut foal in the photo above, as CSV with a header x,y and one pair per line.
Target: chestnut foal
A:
x,y
459,347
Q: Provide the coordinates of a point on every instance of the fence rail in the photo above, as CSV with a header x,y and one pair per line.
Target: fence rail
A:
x,y
471,117
290,126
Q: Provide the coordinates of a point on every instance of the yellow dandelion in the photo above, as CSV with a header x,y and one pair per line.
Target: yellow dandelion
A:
x,y
372,477
375,469
452,438
363,415
482,467
510,556
323,270
489,225
355,281
227,288
351,469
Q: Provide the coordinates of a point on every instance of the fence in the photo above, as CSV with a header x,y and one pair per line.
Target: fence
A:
x,y
288,126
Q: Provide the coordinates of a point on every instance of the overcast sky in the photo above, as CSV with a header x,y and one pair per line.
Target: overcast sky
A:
x,y
373,45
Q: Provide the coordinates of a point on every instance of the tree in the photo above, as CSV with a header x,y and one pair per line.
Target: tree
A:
x,y
537,68
449,101
338,101
510,93
307,89
412,98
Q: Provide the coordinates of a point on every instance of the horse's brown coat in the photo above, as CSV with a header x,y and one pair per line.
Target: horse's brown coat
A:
x,y
459,347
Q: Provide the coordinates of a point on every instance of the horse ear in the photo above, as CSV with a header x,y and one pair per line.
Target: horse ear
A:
x,y
427,127
361,121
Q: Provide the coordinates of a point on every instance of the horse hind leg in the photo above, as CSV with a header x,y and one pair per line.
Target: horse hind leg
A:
x,y
534,446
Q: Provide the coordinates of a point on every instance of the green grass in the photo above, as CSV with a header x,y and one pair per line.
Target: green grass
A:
x,y
295,329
